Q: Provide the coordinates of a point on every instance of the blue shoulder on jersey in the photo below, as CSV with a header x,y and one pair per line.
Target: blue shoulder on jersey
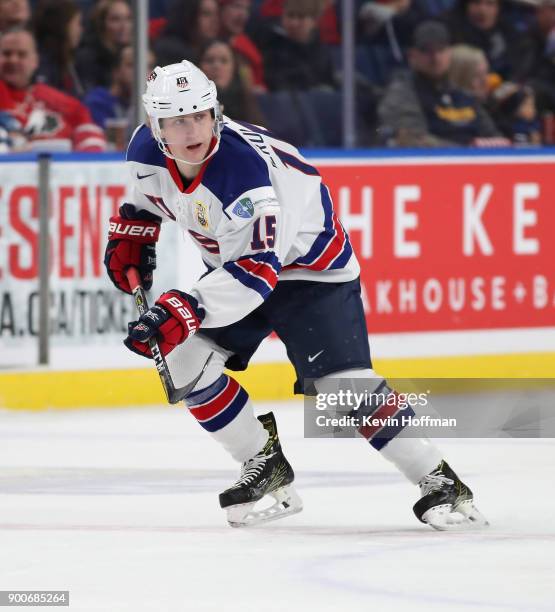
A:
x,y
235,168
144,149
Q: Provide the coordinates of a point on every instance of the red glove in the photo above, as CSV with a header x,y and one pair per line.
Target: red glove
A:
x,y
132,242
174,317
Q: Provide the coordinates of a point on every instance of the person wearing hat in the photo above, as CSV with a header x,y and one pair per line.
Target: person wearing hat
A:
x,y
421,108
294,56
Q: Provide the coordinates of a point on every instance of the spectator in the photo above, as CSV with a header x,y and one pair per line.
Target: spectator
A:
x,y
189,25
390,23
468,71
116,102
543,79
111,22
43,112
516,114
113,108
11,138
14,12
58,29
480,23
295,58
542,24
234,15
270,11
219,62
421,108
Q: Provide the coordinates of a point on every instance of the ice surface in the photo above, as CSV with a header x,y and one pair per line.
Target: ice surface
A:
x,y
120,507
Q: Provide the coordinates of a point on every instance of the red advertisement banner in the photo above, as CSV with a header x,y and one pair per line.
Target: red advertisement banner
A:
x,y
447,246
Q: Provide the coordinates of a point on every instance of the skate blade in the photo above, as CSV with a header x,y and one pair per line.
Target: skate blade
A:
x,y
464,517
471,514
287,503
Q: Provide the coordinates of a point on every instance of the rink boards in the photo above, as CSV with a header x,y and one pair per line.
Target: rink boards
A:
x,y
457,272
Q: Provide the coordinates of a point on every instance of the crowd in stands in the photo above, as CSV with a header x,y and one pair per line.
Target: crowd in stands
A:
x,y
429,73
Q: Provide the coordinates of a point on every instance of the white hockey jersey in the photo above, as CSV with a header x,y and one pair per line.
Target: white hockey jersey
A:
x,y
258,212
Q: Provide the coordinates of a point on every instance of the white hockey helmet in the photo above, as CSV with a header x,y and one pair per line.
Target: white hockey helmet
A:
x,y
180,89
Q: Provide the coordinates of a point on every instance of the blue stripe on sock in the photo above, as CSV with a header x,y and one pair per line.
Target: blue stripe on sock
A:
x,y
225,417
387,434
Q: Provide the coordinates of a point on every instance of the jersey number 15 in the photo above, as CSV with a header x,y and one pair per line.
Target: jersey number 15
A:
x,y
258,242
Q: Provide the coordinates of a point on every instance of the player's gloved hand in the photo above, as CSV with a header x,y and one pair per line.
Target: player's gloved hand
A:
x,y
132,242
174,317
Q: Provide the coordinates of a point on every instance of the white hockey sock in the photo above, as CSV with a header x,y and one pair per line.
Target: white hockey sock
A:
x,y
414,457
244,436
226,412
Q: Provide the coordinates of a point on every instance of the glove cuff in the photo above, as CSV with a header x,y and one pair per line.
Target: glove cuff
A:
x,y
135,230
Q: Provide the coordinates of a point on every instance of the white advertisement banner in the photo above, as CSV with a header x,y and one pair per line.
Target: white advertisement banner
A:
x,y
85,308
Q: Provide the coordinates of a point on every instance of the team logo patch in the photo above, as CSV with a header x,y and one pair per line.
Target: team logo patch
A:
x,y
202,214
244,208
152,76
182,82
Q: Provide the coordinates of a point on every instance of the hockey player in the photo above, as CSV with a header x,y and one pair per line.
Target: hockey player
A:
x,y
277,259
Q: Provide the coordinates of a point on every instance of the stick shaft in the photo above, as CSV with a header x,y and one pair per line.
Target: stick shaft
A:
x,y
173,395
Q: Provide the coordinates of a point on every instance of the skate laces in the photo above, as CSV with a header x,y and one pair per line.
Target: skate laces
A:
x,y
252,468
434,482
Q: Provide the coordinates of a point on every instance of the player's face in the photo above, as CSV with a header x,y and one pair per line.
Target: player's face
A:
x,y
18,59
188,137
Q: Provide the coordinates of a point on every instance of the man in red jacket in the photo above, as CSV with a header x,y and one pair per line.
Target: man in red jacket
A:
x,y
44,112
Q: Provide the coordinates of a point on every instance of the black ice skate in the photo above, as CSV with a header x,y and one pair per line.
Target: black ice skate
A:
x,y
267,473
446,502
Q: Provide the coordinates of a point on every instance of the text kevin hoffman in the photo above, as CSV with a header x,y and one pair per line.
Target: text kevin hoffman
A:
x,y
370,421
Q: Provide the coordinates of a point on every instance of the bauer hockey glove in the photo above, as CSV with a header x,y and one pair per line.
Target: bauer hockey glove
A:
x,y
132,242
174,317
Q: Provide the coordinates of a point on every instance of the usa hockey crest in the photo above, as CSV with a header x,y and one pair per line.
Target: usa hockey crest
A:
x,y
201,212
244,208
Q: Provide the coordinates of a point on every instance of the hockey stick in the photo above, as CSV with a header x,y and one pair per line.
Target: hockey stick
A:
x,y
172,394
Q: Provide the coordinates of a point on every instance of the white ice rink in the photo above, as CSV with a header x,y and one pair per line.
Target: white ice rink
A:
x,y
120,507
